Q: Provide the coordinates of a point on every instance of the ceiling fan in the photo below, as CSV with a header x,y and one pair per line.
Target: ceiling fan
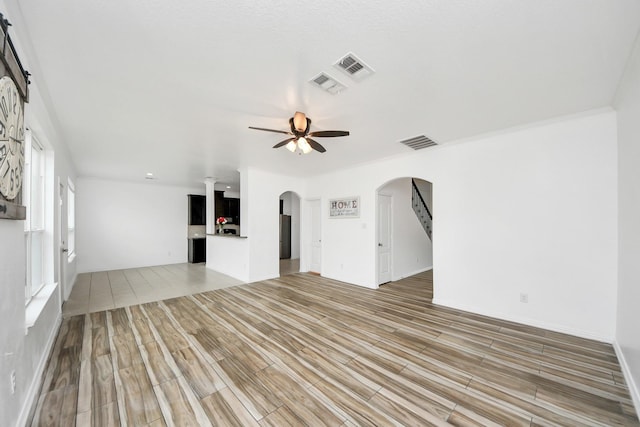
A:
x,y
300,135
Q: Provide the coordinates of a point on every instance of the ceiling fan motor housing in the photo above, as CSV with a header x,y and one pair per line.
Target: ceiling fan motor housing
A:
x,y
300,122
299,132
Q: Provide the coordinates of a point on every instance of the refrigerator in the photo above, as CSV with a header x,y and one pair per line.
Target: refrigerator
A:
x,y
285,236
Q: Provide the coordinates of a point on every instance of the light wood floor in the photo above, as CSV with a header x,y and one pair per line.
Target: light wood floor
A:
x,y
305,350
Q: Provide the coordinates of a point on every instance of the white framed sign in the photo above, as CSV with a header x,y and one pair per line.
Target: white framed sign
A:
x,y
348,207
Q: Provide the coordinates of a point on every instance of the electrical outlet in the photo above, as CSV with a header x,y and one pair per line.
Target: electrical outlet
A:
x,y
524,298
13,382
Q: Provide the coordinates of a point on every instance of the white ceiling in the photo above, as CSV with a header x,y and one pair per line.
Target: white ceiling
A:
x,y
170,87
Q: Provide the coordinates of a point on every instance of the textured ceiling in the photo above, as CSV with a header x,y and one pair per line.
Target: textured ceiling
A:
x,y
170,87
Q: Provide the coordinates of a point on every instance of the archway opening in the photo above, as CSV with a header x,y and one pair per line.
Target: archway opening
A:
x,y
289,231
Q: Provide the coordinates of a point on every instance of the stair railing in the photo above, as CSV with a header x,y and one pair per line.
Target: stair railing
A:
x,y
421,209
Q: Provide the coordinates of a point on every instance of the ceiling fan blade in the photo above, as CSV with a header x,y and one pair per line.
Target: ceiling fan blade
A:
x,y
271,130
329,133
315,145
285,142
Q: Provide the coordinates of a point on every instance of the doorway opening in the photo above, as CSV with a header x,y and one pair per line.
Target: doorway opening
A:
x,y
404,231
289,231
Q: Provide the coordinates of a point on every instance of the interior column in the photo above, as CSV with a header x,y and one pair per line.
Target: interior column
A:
x,y
210,205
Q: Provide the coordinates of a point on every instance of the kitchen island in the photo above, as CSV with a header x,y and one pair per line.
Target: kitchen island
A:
x,y
229,254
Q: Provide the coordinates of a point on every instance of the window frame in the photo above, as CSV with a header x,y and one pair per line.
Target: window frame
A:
x,y
35,222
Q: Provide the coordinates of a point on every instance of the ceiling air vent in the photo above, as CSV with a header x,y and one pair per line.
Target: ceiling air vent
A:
x,y
354,67
419,142
328,83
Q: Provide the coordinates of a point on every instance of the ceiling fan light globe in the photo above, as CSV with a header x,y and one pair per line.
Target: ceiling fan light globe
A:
x,y
304,145
291,146
300,121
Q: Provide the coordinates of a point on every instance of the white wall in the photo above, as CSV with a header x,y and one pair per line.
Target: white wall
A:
x,y
25,350
12,315
126,225
22,350
349,245
529,210
261,199
295,226
628,333
412,251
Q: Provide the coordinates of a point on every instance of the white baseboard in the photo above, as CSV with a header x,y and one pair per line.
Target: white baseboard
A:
x,y
73,282
525,321
32,394
626,371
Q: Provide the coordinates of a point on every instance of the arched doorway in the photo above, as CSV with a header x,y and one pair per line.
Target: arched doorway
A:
x,y
289,229
404,229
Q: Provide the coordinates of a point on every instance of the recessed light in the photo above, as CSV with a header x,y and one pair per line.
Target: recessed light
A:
x,y
149,174
228,186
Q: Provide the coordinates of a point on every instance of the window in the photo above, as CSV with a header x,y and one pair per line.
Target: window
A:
x,y
34,198
71,220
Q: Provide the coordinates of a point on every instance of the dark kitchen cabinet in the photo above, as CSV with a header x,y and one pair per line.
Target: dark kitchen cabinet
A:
x,y
227,207
219,203
197,210
197,250
232,209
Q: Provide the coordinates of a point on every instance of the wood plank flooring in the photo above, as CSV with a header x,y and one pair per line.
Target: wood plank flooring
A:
x,y
305,350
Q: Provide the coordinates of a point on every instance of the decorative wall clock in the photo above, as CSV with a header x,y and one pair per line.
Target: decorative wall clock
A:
x,y
14,86
11,139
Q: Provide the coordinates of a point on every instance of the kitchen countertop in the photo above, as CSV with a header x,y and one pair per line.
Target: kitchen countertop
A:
x,y
227,235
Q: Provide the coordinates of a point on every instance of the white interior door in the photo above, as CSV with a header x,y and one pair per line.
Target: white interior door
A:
x,y
316,236
384,239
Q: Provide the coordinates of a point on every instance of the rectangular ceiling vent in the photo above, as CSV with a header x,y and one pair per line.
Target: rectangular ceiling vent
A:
x,y
354,67
419,142
327,83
